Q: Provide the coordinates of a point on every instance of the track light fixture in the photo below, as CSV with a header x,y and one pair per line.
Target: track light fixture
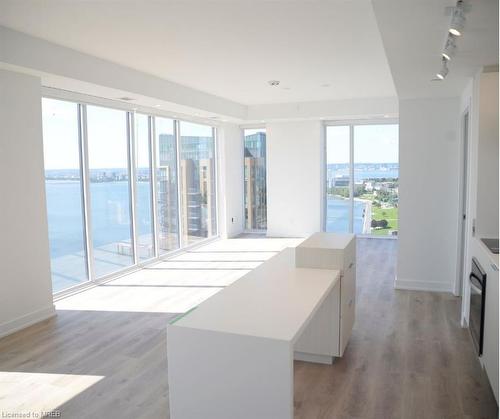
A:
x,y
444,70
458,19
454,31
449,48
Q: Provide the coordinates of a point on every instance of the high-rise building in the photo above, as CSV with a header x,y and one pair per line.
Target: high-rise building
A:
x,y
167,192
197,187
255,182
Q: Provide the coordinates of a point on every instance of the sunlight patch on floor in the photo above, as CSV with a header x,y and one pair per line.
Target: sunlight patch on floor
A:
x,y
20,391
182,282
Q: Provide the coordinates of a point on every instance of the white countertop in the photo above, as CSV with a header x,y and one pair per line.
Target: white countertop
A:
x,y
327,241
493,257
274,301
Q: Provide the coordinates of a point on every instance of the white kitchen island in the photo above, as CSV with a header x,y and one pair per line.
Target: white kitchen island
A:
x,y
232,356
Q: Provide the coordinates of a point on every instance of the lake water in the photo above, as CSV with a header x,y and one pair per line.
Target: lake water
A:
x,y
338,215
110,228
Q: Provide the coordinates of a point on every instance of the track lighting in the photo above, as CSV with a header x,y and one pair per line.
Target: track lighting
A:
x,y
444,70
458,19
449,48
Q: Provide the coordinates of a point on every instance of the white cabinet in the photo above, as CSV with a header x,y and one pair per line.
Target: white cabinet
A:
x,y
334,251
489,359
319,342
490,345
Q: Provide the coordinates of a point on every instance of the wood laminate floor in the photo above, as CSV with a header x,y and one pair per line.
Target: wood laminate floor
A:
x,y
104,355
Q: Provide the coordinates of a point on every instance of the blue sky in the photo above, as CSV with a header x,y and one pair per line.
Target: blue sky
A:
x,y
107,136
372,143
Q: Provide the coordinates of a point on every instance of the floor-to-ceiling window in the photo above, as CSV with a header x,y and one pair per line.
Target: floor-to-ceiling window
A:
x,y
197,182
112,183
109,190
63,186
362,178
143,188
167,207
376,176
255,194
338,179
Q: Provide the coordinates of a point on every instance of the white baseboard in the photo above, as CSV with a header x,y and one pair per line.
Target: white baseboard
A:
x,y
411,285
29,319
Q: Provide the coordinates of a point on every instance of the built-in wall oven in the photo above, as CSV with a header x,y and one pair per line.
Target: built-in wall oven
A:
x,y
477,280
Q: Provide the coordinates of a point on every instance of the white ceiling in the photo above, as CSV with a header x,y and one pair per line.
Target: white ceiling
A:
x,y
414,34
319,50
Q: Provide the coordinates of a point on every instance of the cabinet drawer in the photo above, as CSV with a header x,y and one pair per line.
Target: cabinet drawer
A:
x,y
349,255
347,306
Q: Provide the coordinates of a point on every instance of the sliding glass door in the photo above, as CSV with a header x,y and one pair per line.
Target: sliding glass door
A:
x,y
362,179
376,177
123,188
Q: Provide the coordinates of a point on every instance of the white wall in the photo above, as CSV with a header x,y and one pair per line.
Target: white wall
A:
x,y
230,144
429,194
295,160
25,283
487,176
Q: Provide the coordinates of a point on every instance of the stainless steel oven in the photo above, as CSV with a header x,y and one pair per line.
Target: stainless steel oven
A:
x,y
477,280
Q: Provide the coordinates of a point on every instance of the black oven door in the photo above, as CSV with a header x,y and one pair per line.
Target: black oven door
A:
x,y
477,279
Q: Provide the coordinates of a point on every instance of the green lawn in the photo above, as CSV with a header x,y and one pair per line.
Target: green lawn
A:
x,y
389,214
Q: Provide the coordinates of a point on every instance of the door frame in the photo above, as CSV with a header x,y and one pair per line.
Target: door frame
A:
x,y
463,239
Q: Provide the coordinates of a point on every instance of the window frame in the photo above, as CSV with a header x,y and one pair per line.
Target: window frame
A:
x,y
82,101
351,123
182,239
243,128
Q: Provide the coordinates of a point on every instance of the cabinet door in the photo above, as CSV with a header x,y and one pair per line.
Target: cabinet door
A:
x,y
347,305
349,255
321,335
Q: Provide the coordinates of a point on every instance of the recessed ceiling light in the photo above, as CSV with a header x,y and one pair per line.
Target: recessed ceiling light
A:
x,y
157,105
126,98
386,116
273,83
